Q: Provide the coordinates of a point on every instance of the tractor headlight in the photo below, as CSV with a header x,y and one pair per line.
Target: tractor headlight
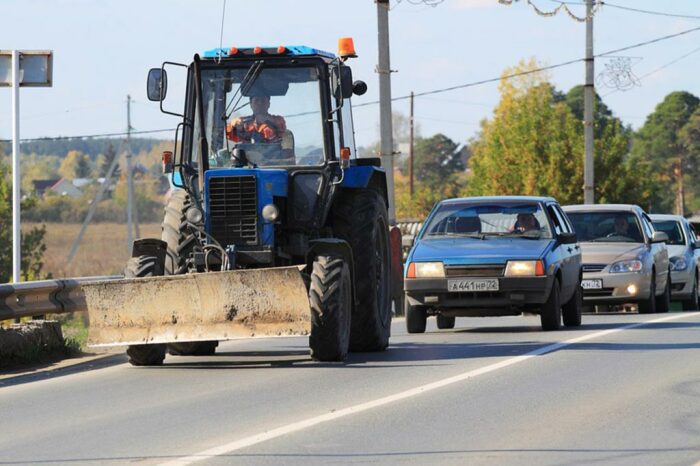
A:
x,y
193,215
270,213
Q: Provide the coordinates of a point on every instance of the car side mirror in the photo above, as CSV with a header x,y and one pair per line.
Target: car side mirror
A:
x,y
659,237
696,244
567,238
157,85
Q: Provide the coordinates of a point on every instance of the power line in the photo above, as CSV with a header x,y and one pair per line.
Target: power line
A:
x,y
649,12
86,136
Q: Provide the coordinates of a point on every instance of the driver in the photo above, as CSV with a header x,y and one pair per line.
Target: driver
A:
x,y
621,227
259,127
525,223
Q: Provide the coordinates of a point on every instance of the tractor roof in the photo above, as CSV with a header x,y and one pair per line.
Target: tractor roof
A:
x,y
281,51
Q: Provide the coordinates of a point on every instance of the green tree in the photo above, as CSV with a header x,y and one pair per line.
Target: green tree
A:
x,y
75,165
32,242
435,159
614,182
104,161
531,145
657,148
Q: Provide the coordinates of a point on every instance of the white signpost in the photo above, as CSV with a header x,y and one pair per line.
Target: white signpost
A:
x,y
21,68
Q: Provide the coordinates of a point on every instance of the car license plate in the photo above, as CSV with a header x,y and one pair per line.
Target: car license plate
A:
x,y
472,285
592,284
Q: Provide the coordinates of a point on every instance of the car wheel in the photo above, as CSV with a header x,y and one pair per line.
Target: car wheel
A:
x,y
571,311
648,306
691,304
550,314
445,321
416,318
663,302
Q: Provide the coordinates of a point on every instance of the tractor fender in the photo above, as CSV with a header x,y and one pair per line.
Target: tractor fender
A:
x,y
366,176
150,247
336,247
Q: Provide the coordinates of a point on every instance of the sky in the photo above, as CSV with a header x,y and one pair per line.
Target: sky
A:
x,y
104,48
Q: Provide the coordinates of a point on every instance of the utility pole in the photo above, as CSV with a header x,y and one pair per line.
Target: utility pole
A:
x,y
588,93
410,149
129,179
385,129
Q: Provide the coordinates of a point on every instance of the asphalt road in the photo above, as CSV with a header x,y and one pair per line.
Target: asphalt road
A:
x,y
621,389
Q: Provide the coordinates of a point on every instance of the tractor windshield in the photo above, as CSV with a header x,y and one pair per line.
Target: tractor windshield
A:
x,y
263,116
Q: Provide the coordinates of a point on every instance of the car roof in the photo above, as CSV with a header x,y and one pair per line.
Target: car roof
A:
x,y
678,218
484,199
602,208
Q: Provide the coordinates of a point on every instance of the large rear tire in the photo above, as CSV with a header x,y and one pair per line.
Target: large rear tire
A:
x,y
550,314
181,242
330,298
145,355
360,218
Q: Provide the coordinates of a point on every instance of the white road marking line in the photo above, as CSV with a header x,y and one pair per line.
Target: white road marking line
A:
x,y
336,414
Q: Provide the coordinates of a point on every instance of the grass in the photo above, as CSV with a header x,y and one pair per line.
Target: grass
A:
x,y
103,250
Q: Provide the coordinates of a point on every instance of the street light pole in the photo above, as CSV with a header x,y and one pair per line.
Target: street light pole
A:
x,y
385,129
588,92
16,231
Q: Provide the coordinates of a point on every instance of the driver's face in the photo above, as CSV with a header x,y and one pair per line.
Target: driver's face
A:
x,y
527,222
259,104
621,224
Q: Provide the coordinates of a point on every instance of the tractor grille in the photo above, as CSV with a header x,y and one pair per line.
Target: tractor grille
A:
x,y
474,271
233,210
593,267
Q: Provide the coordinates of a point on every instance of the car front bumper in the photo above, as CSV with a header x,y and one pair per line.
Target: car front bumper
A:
x,y
682,283
616,288
514,295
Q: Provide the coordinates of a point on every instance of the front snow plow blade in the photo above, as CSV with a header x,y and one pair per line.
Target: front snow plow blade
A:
x,y
198,307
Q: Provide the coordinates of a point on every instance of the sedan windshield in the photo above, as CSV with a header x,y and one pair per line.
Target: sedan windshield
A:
x,y
608,226
493,219
673,229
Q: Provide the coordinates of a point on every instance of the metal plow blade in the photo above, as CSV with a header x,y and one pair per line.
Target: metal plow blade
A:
x,y
194,307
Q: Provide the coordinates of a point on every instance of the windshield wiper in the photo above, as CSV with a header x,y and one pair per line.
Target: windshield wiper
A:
x,y
248,80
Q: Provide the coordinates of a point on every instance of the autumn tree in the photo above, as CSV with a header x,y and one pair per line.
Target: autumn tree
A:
x,y
530,146
75,165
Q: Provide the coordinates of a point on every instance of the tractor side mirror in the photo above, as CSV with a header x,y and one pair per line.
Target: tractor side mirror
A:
x,y
342,85
359,87
157,85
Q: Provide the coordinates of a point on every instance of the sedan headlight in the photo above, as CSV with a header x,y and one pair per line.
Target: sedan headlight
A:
x,y
524,269
678,264
626,266
426,270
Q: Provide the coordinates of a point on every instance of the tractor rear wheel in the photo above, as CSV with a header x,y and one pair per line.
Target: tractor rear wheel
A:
x,y
145,355
180,242
330,298
360,218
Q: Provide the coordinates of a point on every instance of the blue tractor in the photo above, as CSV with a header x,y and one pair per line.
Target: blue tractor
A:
x,y
283,229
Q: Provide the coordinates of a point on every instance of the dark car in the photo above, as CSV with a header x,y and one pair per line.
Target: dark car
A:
x,y
494,256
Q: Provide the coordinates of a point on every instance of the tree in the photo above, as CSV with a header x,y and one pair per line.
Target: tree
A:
x,y
657,148
614,182
435,159
75,165
531,146
104,161
32,242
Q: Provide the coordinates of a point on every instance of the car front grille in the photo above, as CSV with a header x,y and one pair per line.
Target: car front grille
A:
x,y
474,271
233,210
593,267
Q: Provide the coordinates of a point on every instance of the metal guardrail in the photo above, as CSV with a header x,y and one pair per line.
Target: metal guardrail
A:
x,y
30,299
